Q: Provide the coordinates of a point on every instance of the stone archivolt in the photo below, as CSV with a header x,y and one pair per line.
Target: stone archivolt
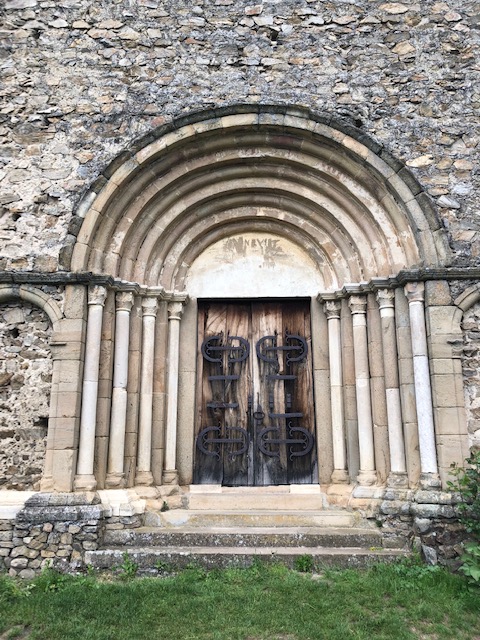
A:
x,y
285,174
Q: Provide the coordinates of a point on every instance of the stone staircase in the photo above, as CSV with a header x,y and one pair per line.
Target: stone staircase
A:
x,y
231,527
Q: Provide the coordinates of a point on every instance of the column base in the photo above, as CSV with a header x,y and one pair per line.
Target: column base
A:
x,y
170,477
367,478
340,476
115,481
85,482
397,480
144,478
430,481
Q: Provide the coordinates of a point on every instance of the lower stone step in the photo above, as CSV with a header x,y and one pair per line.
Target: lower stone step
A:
x,y
154,560
250,537
251,518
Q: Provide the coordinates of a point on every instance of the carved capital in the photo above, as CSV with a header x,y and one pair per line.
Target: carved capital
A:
x,y
386,298
415,291
175,310
149,306
124,301
358,304
332,309
97,294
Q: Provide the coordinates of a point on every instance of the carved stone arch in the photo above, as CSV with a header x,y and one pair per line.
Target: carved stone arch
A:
x,y
36,297
319,170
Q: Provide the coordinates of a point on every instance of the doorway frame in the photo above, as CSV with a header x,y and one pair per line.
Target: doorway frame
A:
x,y
186,415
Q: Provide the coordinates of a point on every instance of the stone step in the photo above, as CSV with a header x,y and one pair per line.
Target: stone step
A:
x,y
151,560
257,500
249,537
252,518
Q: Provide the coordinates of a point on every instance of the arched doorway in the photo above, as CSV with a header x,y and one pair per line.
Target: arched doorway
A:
x,y
249,204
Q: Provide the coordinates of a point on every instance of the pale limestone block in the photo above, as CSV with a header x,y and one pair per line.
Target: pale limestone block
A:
x,y
451,449
319,336
80,254
100,464
440,345
105,388
412,452
68,404
158,420
437,293
445,392
65,432
353,451
321,382
442,320
64,465
103,416
132,412
407,396
68,350
186,424
75,304
450,421
442,366
382,455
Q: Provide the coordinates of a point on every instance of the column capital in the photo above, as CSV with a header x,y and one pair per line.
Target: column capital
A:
x,y
149,306
386,299
415,291
97,294
358,304
175,310
124,301
332,309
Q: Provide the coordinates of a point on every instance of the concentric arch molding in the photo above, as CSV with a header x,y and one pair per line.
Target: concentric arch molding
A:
x,y
319,182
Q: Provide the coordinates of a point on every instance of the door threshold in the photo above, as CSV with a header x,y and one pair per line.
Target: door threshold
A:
x,y
283,488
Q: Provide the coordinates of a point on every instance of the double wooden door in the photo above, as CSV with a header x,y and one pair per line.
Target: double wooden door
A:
x,y
255,417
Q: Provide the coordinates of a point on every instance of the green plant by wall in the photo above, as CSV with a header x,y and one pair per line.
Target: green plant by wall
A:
x,y
467,485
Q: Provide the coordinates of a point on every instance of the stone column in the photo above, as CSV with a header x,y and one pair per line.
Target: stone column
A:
x,y
398,468
85,479
415,292
175,310
358,307
144,474
115,473
332,311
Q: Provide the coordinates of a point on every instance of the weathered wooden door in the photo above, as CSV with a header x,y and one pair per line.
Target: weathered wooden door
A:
x,y
255,418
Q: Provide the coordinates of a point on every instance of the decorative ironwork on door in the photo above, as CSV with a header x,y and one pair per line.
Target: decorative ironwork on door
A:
x,y
238,441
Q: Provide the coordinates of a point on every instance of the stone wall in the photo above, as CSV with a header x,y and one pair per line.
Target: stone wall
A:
x,y
83,80
471,371
55,530
25,381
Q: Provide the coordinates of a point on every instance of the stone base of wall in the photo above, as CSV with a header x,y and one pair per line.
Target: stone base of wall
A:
x,y
56,529
429,518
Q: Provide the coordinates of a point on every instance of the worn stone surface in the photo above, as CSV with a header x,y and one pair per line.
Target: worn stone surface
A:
x,y
471,371
25,380
83,80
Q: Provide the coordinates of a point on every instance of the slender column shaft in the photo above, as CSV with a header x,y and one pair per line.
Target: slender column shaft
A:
x,y
116,450
386,302
175,310
358,307
85,478
144,474
423,391
332,311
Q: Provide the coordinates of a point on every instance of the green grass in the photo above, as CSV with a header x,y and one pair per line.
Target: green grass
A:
x,y
401,602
